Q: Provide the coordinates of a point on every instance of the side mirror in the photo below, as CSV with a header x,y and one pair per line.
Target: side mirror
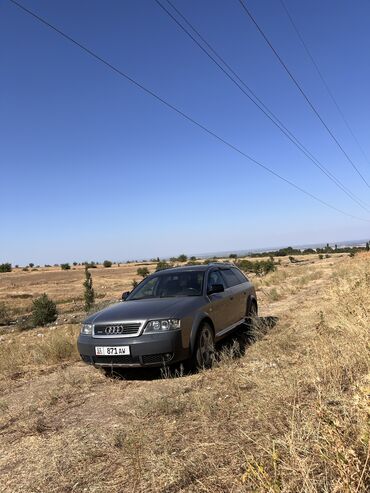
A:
x,y
216,288
125,295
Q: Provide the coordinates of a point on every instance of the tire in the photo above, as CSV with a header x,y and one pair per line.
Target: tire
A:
x,y
253,309
204,348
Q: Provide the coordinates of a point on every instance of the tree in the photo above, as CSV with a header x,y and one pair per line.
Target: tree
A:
x,y
7,267
367,246
107,263
44,310
89,294
143,272
182,258
193,258
31,265
65,266
75,263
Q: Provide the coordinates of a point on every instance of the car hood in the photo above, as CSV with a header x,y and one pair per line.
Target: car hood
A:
x,y
145,309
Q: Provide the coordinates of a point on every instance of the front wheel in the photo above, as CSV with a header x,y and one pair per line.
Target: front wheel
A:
x,y
204,349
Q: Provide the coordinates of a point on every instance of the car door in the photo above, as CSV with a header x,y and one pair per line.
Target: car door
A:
x,y
218,302
234,296
244,292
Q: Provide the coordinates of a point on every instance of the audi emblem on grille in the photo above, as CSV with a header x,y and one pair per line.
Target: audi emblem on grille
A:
x,y
114,329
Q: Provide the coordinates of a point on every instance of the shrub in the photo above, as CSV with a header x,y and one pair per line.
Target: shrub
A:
x,y
90,265
65,266
44,310
162,265
134,283
143,272
7,267
321,256
233,255
182,258
107,263
259,267
89,294
25,269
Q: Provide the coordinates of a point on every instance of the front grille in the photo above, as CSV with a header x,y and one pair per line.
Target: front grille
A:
x,y
120,360
124,329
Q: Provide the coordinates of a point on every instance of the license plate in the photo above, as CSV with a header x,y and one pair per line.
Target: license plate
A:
x,y
112,351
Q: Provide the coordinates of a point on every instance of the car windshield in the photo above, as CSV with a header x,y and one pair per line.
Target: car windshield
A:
x,y
169,285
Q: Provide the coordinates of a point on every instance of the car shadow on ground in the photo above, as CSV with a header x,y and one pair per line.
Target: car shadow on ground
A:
x,y
232,346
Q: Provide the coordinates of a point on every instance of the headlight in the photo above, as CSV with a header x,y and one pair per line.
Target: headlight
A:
x,y
162,325
87,329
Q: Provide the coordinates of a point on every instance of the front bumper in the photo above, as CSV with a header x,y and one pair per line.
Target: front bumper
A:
x,y
145,350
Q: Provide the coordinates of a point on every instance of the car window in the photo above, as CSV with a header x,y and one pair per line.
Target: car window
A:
x,y
147,290
214,277
188,283
230,278
239,275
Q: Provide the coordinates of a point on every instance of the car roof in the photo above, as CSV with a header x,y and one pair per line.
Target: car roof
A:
x,y
197,268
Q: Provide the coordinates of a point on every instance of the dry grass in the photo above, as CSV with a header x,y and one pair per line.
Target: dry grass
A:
x,y
291,414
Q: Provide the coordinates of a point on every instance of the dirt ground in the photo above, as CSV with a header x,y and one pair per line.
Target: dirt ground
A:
x,y
288,413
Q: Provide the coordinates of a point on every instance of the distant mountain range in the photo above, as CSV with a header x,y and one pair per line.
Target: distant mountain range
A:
x,y
241,253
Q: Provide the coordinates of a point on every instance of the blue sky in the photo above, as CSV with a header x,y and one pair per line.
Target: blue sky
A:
x,y
93,168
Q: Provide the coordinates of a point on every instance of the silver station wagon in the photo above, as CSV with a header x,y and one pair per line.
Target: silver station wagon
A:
x,y
175,315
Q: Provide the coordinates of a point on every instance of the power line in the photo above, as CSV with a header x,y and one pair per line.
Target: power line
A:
x,y
260,105
181,113
246,10
326,85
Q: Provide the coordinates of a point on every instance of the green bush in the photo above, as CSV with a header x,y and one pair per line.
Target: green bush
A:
x,y
89,293
7,267
143,272
65,266
182,258
162,265
44,310
134,283
107,263
258,267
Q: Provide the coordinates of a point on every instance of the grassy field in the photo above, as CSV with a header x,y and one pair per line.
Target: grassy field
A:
x,y
288,413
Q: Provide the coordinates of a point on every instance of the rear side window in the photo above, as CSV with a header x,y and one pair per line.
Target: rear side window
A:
x,y
215,278
239,275
230,278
